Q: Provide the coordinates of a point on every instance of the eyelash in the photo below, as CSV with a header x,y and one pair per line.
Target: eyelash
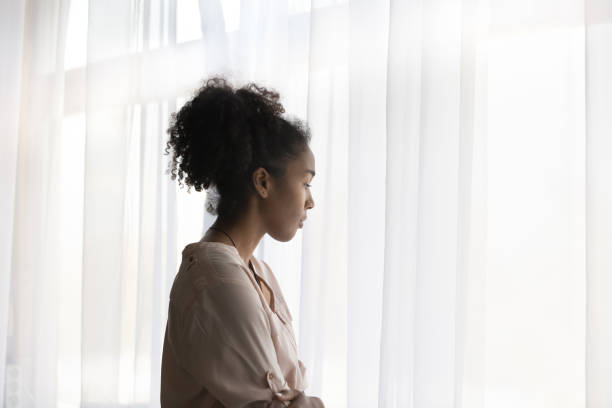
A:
x,y
307,185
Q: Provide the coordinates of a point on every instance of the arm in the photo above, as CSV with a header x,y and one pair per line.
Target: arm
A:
x,y
300,400
223,341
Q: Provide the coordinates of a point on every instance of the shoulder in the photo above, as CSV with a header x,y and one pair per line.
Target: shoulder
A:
x,y
205,265
214,258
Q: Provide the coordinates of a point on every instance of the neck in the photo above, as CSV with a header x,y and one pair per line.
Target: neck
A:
x,y
244,230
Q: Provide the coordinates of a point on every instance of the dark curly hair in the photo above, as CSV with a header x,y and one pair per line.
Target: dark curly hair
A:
x,y
223,134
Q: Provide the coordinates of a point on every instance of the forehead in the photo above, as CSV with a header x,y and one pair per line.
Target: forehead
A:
x,y
301,165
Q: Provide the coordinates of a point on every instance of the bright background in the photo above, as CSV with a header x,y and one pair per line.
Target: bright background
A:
x,y
460,250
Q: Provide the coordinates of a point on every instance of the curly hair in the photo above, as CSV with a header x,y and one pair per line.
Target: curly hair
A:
x,y
223,134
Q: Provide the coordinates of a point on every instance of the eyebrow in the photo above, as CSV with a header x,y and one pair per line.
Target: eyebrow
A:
x,y
311,172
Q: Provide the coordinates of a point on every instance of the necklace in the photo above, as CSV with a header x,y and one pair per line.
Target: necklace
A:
x,y
251,267
234,244
226,234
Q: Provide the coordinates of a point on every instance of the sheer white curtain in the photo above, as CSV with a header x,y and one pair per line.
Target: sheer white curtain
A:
x,y
459,252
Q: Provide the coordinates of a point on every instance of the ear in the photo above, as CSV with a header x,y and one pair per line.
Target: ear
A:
x,y
262,182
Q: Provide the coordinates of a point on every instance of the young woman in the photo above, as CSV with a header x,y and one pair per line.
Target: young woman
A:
x,y
229,340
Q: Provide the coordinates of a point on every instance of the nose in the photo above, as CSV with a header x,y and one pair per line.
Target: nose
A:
x,y
309,202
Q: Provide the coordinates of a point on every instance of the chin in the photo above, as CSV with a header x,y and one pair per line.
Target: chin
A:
x,y
285,236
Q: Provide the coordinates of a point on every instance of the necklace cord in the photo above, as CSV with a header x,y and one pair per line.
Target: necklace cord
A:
x,y
226,234
234,244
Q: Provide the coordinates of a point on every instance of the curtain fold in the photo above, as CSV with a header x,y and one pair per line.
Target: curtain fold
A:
x,y
367,62
33,321
111,111
458,254
598,203
402,211
11,45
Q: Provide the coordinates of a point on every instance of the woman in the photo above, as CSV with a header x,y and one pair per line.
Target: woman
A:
x,y
229,341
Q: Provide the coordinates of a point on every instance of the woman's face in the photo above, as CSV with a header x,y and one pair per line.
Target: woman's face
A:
x,y
290,197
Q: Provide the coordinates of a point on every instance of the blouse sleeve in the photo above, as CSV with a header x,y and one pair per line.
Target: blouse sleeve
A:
x,y
223,340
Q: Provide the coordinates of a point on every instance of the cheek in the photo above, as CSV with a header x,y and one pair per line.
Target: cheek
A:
x,y
283,216
291,205
300,198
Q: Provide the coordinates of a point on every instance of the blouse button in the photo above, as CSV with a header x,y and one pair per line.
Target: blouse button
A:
x,y
270,376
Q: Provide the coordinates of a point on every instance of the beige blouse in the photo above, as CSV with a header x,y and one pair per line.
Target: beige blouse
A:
x,y
224,345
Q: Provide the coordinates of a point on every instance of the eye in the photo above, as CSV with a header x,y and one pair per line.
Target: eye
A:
x,y
307,185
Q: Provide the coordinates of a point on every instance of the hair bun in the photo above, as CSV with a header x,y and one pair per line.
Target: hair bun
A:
x,y
221,133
